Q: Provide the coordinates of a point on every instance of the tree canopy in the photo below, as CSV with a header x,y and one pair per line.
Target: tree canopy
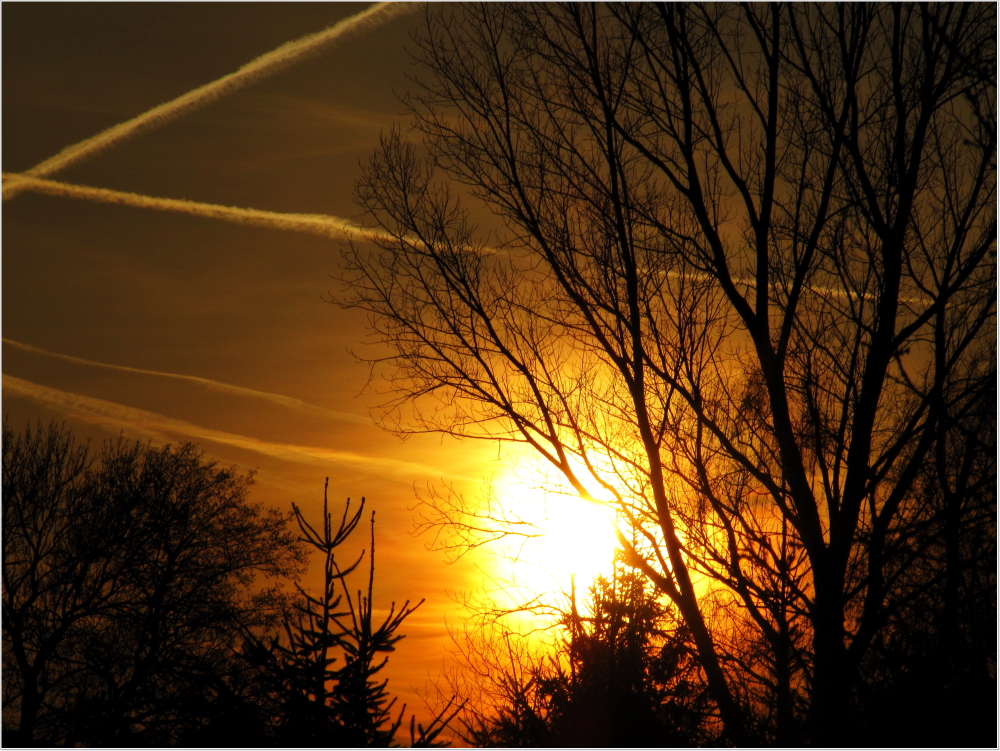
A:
x,y
735,267
126,585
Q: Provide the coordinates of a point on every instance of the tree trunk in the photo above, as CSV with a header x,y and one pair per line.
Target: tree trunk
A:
x,y
828,712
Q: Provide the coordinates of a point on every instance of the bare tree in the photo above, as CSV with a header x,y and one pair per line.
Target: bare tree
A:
x,y
127,578
737,265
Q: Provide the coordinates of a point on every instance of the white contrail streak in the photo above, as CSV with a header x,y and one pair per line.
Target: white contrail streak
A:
x,y
255,70
116,417
324,225
314,224
329,226
225,388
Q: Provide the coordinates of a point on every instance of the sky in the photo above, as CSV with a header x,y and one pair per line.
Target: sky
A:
x,y
170,327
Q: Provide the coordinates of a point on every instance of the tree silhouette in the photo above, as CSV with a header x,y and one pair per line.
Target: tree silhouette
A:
x,y
631,681
937,660
622,676
126,584
129,615
324,688
740,276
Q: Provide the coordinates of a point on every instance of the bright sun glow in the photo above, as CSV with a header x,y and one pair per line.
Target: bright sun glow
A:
x,y
574,543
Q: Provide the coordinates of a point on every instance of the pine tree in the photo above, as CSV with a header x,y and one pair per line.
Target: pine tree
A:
x,y
326,665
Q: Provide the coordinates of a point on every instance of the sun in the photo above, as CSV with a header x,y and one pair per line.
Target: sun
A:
x,y
572,542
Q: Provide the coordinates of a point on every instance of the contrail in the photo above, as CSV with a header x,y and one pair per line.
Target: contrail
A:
x,y
255,70
822,291
323,225
315,224
115,417
328,226
226,388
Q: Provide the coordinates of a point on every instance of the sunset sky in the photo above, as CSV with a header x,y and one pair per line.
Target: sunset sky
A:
x,y
168,327
715,284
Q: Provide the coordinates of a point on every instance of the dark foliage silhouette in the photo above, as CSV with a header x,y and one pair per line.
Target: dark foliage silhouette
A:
x,y
622,676
631,680
126,586
133,615
323,670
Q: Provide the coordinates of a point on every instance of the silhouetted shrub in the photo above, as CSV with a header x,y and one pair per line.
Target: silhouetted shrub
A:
x,y
623,676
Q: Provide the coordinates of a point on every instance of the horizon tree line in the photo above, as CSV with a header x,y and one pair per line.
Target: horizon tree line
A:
x,y
147,602
131,617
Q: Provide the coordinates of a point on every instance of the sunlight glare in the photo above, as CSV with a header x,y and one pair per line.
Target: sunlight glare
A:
x,y
575,539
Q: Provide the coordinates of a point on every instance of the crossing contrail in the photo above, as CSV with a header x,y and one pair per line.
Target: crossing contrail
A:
x,y
328,226
226,388
263,66
323,225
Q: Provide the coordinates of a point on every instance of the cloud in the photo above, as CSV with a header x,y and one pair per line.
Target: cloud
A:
x,y
115,417
257,69
315,224
226,388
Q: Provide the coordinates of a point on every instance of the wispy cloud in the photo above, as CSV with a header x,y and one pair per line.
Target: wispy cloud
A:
x,y
225,388
315,224
115,417
257,69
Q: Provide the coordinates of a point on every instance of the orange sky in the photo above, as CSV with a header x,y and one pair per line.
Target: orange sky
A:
x,y
162,293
